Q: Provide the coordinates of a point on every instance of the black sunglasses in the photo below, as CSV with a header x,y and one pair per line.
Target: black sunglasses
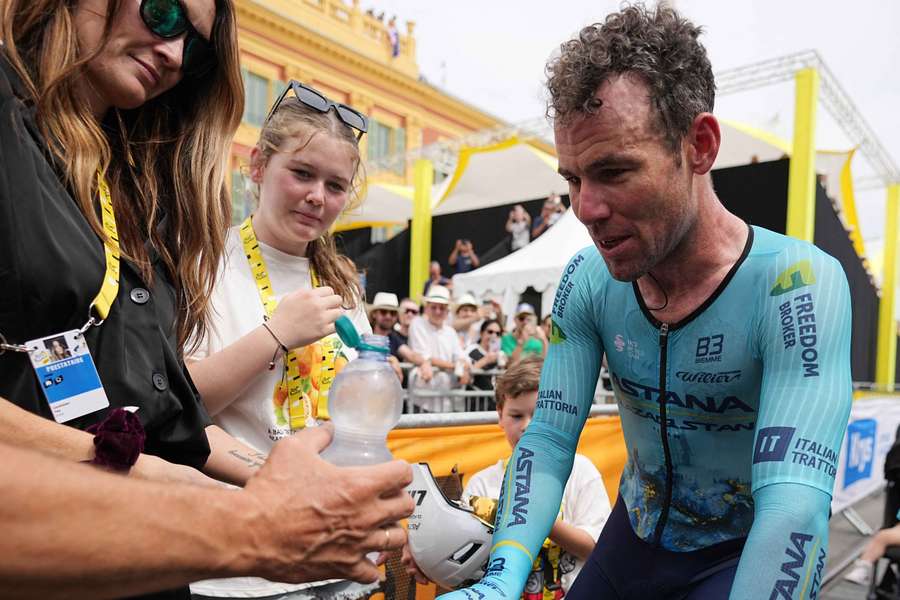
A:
x,y
168,19
316,100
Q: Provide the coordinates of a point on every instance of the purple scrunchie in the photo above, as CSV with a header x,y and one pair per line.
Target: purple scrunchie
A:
x,y
118,440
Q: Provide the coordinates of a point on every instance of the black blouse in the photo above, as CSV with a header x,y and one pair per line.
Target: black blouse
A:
x,y
51,265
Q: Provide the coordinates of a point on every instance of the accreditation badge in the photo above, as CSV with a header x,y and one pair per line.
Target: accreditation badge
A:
x,y
66,373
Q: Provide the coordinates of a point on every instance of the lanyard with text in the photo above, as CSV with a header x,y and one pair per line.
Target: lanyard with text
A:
x,y
62,361
110,288
301,410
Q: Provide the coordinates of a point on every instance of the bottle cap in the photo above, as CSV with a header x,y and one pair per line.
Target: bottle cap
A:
x,y
347,331
348,334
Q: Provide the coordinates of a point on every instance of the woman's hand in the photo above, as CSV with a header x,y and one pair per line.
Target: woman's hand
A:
x,y
305,316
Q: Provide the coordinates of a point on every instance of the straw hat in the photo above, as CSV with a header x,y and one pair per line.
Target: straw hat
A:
x,y
437,294
466,300
385,301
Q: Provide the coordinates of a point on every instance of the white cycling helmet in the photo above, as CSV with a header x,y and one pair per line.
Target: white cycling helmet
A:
x,y
449,543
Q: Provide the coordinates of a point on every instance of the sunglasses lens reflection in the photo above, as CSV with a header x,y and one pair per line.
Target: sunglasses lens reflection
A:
x,y
352,118
311,98
165,18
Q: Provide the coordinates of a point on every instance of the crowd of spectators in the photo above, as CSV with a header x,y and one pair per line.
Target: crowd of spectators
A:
x,y
452,345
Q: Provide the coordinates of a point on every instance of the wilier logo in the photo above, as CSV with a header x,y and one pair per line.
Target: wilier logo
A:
x,y
798,275
772,444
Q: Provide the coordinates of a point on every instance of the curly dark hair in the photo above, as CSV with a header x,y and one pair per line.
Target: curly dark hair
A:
x,y
658,45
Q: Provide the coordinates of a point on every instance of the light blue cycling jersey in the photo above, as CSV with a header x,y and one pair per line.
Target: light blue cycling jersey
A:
x,y
757,391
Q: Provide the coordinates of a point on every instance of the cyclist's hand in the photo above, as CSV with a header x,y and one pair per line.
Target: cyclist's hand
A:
x,y
306,316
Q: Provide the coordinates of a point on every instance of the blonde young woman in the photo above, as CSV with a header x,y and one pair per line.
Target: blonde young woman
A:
x,y
266,364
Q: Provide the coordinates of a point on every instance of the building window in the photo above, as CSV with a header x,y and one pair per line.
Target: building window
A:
x,y
241,203
256,105
387,141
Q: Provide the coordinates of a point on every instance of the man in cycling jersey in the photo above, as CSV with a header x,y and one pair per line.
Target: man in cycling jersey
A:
x,y
728,346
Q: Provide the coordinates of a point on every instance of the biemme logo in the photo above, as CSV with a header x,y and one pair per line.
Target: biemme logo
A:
x,y
772,444
860,450
798,275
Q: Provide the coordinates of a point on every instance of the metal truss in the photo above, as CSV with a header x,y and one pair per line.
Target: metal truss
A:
x,y
837,102
445,153
833,96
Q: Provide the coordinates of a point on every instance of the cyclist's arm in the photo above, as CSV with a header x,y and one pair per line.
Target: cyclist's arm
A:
x,y
542,460
804,406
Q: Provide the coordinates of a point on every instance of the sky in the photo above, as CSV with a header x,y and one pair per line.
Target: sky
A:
x,y
491,53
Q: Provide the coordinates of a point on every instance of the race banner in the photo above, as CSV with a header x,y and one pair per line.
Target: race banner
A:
x,y
870,434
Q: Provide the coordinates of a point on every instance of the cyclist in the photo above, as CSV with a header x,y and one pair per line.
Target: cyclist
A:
x,y
728,346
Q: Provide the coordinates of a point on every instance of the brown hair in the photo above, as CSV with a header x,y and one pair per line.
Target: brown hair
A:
x,y
295,120
519,378
658,45
167,158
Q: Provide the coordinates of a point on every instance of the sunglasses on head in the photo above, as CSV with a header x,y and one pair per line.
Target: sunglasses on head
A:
x,y
316,100
168,19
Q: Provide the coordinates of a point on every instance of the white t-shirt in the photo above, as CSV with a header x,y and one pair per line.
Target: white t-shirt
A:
x,y
434,342
585,504
253,417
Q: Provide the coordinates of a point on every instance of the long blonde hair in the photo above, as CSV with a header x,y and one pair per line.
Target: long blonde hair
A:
x,y
295,120
164,160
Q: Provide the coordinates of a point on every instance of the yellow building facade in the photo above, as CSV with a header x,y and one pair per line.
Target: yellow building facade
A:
x,y
347,53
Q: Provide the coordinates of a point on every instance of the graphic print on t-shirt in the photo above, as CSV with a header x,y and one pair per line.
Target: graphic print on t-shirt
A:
x,y
317,366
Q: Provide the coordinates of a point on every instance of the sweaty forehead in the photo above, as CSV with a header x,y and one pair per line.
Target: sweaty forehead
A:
x,y
622,120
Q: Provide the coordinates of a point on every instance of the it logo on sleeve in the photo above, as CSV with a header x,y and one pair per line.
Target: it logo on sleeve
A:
x,y
798,275
860,450
772,444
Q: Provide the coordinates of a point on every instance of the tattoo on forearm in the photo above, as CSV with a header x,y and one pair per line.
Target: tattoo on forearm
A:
x,y
254,460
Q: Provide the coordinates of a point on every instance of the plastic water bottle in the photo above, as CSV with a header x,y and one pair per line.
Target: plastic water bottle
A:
x,y
365,402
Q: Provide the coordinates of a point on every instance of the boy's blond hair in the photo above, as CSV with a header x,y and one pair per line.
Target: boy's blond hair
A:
x,y
521,377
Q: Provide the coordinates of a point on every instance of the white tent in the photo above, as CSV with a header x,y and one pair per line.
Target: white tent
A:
x,y
538,265
383,204
505,173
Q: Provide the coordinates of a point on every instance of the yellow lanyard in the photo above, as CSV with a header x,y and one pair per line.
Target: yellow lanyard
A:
x,y
301,409
110,288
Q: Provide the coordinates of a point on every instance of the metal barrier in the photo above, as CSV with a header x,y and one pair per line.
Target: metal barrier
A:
x,y
458,419
454,400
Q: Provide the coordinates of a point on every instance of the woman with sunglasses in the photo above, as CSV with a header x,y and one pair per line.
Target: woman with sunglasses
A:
x,y
265,365
113,208
485,355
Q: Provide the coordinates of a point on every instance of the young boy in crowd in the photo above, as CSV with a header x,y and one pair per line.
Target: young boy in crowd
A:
x,y
585,504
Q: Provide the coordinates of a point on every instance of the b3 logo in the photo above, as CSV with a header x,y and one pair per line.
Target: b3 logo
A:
x,y
709,349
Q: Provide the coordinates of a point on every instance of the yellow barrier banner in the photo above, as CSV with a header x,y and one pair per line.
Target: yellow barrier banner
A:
x,y
475,447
